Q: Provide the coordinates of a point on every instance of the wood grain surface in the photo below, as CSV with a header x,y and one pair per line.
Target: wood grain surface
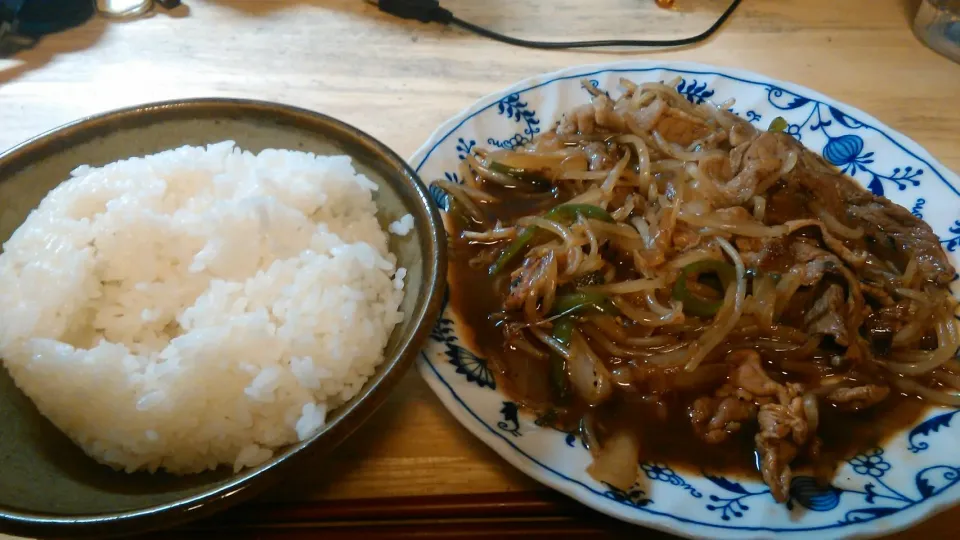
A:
x,y
399,80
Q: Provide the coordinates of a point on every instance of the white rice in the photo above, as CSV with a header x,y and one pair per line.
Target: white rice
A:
x,y
402,226
200,306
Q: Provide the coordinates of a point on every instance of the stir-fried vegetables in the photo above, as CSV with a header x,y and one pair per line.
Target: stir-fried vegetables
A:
x,y
652,258
562,332
693,303
571,303
535,178
562,213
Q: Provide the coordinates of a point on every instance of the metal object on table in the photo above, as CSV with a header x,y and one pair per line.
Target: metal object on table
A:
x,y
937,24
123,9
129,9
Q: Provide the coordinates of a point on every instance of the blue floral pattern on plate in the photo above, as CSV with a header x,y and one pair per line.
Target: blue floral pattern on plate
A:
x,y
911,476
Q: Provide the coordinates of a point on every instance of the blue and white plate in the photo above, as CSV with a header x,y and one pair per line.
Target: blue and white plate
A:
x,y
881,490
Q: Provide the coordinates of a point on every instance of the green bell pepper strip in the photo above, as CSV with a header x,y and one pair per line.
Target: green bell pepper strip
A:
x,y
693,304
564,212
779,125
562,332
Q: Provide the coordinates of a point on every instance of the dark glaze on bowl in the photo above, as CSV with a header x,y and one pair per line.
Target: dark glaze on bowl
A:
x,y
48,486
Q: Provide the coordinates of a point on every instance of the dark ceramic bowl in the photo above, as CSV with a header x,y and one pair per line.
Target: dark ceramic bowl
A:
x,y
48,486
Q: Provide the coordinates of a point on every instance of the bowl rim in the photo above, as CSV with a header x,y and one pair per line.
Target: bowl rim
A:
x,y
242,486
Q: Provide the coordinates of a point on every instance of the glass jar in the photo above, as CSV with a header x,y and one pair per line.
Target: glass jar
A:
x,y
937,24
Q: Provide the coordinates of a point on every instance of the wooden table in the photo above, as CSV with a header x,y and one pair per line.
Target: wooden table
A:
x,y
398,80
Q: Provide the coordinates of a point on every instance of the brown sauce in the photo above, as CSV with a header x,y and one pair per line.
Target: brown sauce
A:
x,y
666,436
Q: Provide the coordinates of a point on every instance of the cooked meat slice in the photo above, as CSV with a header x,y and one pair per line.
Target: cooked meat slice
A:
x,y
580,120
648,116
755,177
743,133
605,116
783,431
715,419
891,230
718,168
775,458
747,243
680,127
824,317
713,140
528,279
861,397
750,376
597,156
878,294
814,262
770,145
882,324
750,250
855,258
786,419
768,254
887,223
684,237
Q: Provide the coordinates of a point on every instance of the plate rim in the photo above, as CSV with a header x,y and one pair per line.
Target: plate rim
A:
x,y
558,481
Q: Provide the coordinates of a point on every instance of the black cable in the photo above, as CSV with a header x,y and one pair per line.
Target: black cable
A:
x,y
430,11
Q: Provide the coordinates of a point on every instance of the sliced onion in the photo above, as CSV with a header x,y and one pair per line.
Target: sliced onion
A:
x,y
918,296
947,343
600,339
549,225
627,287
615,173
694,255
588,375
725,119
521,344
591,196
611,229
913,330
648,318
495,234
643,228
729,313
667,165
531,161
909,272
706,185
759,208
674,150
834,224
616,462
490,175
459,193
674,358
551,342
584,175
948,378
789,162
655,306
940,397
742,228
643,159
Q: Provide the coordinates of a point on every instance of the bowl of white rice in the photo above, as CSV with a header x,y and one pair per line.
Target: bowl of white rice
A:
x,y
197,297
